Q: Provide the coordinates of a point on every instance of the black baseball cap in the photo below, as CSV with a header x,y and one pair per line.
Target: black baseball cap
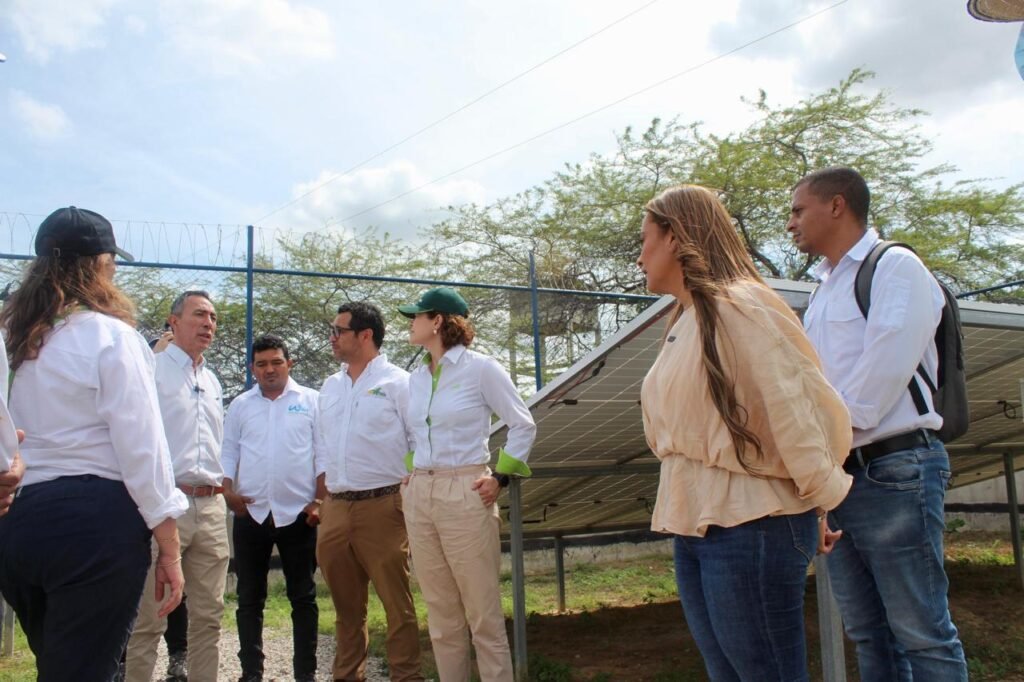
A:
x,y
75,231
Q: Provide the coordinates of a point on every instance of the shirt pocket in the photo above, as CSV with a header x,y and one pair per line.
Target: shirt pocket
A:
x,y
844,331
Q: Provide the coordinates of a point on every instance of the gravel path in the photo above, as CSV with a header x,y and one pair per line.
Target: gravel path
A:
x,y
278,665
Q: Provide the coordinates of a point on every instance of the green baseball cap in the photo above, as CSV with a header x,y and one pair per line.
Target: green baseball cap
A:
x,y
437,300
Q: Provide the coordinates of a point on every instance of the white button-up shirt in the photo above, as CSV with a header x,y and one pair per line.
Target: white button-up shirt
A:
x,y
871,362
363,434
268,451
452,424
193,413
88,405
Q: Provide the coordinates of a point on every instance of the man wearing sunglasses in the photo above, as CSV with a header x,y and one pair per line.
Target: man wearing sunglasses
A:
x,y
361,443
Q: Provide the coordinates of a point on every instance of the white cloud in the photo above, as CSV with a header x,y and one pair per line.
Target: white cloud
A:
x,y
334,203
42,121
228,36
46,26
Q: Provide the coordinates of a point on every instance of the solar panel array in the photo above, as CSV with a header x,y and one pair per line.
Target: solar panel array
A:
x,y
593,471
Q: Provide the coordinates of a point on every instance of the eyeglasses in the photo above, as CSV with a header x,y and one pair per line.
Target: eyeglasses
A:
x,y
337,331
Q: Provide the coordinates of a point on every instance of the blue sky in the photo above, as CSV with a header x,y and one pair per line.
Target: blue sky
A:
x,y
221,111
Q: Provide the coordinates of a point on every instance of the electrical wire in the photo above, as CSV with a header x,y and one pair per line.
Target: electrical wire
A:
x,y
449,115
593,112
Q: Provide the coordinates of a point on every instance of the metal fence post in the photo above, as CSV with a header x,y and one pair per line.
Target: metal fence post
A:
x,y
1011,497
519,655
830,625
249,259
535,309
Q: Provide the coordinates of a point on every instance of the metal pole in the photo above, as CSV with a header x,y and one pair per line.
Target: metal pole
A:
x,y
7,636
248,305
1011,497
560,571
535,308
830,625
518,580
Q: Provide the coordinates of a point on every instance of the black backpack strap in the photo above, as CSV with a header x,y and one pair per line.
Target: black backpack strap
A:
x,y
862,293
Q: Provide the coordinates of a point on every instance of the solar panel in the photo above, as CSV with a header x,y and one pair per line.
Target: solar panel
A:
x,y
594,472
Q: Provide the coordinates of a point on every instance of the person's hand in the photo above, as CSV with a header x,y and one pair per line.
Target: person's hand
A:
x,y
488,488
406,479
827,538
236,503
163,341
11,479
169,581
312,513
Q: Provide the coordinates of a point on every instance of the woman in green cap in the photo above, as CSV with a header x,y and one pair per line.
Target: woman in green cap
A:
x,y
449,502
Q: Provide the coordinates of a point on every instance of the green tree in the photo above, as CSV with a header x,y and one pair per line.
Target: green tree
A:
x,y
583,222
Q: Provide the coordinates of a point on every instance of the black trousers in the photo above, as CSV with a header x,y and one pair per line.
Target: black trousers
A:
x,y
74,553
176,634
296,545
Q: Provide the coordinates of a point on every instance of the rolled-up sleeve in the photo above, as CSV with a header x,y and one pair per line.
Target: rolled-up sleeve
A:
x,y
127,402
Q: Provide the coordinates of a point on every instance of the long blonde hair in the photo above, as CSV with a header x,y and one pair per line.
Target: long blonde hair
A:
x,y
711,256
53,287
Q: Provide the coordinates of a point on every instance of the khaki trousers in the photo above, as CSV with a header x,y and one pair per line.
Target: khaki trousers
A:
x,y
204,561
357,543
456,554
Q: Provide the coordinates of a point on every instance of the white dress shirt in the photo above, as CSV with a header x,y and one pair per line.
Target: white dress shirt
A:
x,y
452,424
88,405
363,434
268,451
870,362
193,413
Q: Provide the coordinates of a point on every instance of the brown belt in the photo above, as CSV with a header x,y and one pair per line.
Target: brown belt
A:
x,y
356,495
200,490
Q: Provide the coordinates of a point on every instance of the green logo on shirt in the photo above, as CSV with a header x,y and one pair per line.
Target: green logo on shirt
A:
x,y
379,392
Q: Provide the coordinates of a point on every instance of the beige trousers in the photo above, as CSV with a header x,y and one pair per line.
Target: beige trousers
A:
x,y
204,561
456,554
359,542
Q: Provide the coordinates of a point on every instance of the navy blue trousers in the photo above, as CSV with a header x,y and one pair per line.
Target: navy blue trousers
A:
x,y
74,553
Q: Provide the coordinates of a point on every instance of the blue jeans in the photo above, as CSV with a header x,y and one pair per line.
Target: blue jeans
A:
x,y
742,590
887,571
74,553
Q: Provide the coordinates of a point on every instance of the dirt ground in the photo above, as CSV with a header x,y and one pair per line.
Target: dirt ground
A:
x,y
651,641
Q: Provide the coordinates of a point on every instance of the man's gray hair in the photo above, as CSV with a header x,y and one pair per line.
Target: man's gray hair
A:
x,y
178,307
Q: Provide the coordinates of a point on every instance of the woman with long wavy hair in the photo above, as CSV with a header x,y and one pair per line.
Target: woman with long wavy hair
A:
x,y
75,546
751,439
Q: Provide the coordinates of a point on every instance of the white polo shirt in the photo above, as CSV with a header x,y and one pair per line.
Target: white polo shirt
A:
x,y
88,405
193,413
452,424
268,451
363,431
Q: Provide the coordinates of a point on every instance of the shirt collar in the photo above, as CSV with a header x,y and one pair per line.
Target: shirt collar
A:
x,y
291,387
452,355
379,361
180,357
857,253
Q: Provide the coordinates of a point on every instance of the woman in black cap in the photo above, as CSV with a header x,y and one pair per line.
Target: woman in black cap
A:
x,y
449,502
75,546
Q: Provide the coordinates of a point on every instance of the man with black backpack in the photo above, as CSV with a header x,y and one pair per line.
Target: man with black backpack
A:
x,y
885,558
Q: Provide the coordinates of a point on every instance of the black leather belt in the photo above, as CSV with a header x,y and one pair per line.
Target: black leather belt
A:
x,y
860,457
356,495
